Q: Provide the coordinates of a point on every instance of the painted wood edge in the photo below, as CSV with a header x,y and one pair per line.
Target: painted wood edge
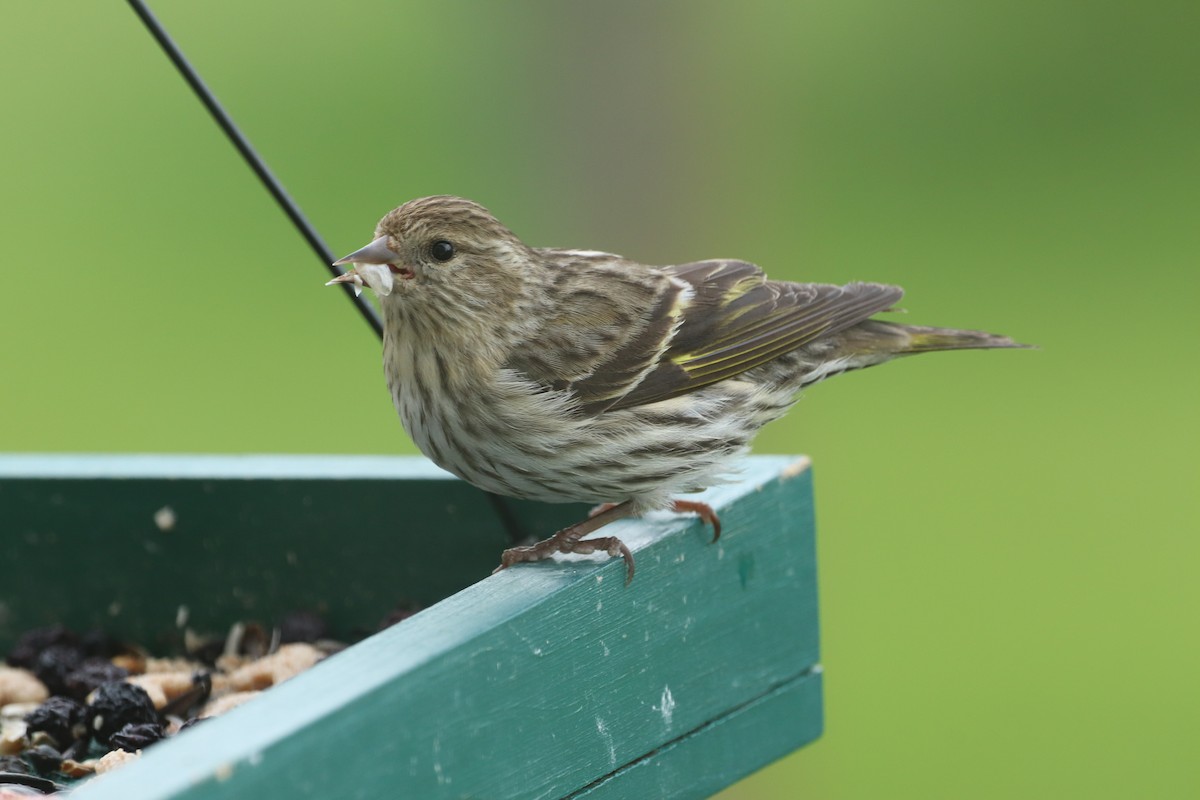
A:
x,y
234,741
216,466
261,465
724,750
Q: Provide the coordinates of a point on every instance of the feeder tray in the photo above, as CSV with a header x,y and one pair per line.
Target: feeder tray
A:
x,y
546,680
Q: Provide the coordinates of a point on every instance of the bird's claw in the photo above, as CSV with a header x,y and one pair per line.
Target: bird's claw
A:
x,y
703,510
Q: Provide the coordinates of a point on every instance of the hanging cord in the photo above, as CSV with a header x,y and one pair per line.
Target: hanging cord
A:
x,y
253,160
503,512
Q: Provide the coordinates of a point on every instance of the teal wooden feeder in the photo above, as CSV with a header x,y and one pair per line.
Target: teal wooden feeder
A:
x,y
546,680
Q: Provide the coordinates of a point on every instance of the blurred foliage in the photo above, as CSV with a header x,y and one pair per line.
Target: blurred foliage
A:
x,y
1006,538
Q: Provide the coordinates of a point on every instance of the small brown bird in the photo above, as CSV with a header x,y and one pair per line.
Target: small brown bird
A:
x,y
581,376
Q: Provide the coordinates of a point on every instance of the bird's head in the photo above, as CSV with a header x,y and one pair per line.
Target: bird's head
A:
x,y
441,250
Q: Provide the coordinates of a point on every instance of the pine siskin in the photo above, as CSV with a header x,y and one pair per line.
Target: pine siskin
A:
x,y
580,376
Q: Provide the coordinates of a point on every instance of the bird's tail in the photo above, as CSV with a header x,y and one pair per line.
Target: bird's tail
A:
x,y
923,339
875,342
887,340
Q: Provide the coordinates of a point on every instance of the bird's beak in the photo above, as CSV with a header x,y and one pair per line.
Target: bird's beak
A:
x,y
374,266
377,252
346,277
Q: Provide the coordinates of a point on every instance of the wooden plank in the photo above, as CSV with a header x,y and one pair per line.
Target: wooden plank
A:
x,y
723,751
540,681
253,538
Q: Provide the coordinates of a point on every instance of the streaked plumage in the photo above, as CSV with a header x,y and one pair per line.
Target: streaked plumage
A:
x,y
580,376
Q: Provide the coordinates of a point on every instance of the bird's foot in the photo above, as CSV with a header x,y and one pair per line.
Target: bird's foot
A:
x,y
548,547
703,510
570,540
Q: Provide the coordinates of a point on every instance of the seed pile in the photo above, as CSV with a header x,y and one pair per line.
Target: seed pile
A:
x,y
73,706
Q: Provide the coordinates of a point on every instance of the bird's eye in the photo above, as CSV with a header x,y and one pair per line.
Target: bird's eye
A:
x,y
442,250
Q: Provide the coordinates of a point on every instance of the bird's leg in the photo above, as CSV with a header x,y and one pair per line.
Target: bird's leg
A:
x,y
568,540
705,512
600,509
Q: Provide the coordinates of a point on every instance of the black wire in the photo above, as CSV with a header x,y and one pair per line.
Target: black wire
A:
x,y
253,160
508,519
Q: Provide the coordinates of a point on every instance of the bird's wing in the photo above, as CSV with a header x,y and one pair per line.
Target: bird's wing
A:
x,y
625,335
611,324
737,319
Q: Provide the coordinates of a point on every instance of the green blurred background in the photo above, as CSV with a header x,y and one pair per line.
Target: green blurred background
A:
x,y
1008,541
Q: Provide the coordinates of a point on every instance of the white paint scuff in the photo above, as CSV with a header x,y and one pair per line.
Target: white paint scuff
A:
x,y
602,729
666,705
